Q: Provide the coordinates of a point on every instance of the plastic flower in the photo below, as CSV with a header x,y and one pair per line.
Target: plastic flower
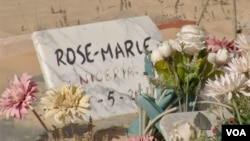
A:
x,y
182,131
16,100
66,104
239,64
141,138
165,49
220,58
242,43
193,39
214,45
156,56
192,33
226,84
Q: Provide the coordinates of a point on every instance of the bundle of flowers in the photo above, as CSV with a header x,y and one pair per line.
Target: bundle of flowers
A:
x,y
199,68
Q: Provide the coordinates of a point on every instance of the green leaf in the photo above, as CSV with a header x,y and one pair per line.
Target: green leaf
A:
x,y
163,70
178,57
181,72
202,122
203,66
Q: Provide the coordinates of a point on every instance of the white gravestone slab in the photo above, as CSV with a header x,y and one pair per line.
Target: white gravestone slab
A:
x,y
106,58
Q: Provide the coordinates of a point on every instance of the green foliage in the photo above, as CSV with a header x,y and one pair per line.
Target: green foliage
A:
x,y
163,69
242,103
184,74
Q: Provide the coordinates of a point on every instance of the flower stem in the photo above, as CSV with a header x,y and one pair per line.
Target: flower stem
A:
x,y
40,120
215,103
186,107
237,112
152,122
73,130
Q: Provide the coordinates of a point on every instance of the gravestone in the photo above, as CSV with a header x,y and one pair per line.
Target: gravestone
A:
x,y
106,58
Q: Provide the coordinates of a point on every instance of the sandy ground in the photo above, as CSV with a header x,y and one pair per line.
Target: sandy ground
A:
x,y
19,18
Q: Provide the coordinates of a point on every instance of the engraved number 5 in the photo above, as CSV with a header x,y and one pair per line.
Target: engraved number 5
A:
x,y
110,97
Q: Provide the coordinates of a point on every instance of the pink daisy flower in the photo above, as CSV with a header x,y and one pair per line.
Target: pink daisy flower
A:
x,y
16,100
213,44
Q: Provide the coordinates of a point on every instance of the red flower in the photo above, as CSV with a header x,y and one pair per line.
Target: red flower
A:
x,y
16,100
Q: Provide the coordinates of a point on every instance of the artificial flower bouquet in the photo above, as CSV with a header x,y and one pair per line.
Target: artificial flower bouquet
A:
x,y
182,65
186,63
200,69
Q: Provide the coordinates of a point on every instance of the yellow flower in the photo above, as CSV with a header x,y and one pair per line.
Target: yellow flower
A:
x,y
67,104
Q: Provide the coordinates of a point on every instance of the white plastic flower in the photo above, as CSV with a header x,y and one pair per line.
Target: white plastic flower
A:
x,y
242,43
175,45
165,49
156,56
211,58
239,64
193,38
182,131
220,58
192,48
192,33
226,85
66,104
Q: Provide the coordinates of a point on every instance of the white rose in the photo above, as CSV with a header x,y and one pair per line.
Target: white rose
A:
x,y
192,33
192,48
222,57
211,58
193,38
166,49
156,56
175,45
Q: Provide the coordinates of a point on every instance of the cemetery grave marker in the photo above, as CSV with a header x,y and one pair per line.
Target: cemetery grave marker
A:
x,y
106,58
